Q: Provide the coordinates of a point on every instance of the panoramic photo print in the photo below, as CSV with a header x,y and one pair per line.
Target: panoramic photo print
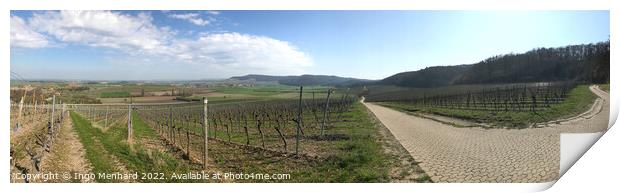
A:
x,y
208,96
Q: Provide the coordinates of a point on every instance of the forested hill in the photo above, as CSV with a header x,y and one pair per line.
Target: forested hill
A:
x,y
306,80
426,78
584,63
588,63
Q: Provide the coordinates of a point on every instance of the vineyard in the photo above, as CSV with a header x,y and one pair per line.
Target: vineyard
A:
x,y
505,106
198,135
34,128
519,98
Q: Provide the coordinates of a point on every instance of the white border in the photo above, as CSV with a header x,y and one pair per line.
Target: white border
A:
x,y
597,168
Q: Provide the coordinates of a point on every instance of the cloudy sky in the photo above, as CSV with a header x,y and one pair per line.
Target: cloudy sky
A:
x,y
156,45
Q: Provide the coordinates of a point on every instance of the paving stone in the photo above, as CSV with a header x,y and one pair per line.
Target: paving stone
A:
x,y
451,154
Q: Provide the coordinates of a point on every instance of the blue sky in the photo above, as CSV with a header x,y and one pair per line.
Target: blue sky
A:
x,y
154,45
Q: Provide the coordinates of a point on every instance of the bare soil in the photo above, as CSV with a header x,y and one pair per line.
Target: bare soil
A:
x,y
67,155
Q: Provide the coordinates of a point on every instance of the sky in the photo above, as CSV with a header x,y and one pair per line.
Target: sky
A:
x,y
184,45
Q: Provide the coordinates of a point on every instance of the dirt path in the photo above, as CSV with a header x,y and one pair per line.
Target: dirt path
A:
x,y
450,154
67,155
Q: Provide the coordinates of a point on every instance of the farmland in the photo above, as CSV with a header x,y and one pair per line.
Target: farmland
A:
x,y
511,105
318,134
267,129
309,134
115,94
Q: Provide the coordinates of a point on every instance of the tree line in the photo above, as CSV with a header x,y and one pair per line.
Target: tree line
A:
x,y
585,63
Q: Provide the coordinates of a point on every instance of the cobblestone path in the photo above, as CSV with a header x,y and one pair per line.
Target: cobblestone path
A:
x,y
450,154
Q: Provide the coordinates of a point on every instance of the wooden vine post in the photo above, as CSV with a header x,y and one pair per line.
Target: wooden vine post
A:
x,y
64,109
53,111
301,89
51,132
19,114
105,123
129,126
329,92
206,133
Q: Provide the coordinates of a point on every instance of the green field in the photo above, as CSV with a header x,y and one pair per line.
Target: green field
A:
x,y
357,156
604,87
120,94
268,90
107,150
579,100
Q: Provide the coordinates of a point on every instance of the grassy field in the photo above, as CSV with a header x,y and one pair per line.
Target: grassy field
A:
x,y
96,154
579,100
162,93
109,152
267,90
604,87
101,88
356,156
270,92
77,98
114,94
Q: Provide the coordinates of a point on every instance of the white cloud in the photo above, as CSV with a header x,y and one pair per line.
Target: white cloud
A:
x,y
213,12
191,17
23,36
217,54
103,29
242,53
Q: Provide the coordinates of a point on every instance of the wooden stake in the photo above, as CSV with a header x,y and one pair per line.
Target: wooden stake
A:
x,y
329,92
19,114
105,123
301,89
188,143
206,134
129,126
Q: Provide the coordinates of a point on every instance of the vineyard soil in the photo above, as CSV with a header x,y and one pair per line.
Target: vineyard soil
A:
x,y
67,155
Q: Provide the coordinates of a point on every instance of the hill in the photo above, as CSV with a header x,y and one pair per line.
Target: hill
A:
x,y
435,76
306,80
582,63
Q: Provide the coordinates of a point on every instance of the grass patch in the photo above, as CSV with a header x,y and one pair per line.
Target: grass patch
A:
x,y
138,158
604,87
120,94
360,158
579,100
260,90
355,154
95,152
99,146
269,90
77,98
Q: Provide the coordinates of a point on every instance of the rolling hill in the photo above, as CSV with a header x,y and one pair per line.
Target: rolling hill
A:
x,y
305,80
581,63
